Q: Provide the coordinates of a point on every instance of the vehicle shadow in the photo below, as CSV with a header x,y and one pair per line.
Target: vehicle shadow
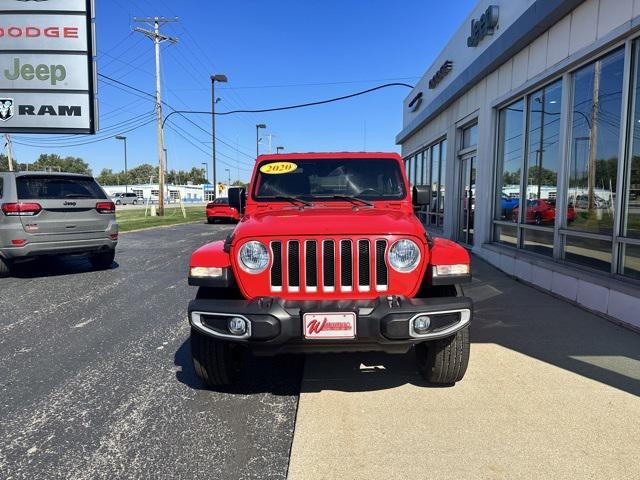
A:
x,y
534,323
362,372
507,313
280,375
54,267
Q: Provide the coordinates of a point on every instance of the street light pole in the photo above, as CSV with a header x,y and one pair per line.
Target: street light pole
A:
x,y
228,173
278,149
126,176
258,127
222,79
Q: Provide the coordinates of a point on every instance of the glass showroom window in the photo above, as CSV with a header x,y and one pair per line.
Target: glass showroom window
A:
x,y
442,181
593,165
509,171
529,203
541,170
470,136
630,238
427,168
434,182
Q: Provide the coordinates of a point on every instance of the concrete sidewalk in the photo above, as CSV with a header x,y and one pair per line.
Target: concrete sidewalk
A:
x,y
552,391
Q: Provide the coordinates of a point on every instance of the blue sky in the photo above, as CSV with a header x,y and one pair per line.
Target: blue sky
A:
x,y
274,53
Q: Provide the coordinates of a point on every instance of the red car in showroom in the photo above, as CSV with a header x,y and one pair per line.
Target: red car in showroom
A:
x,y
329,257
220,211
541,212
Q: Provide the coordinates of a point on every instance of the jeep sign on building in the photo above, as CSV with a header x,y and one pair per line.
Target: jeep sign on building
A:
x,y
46,66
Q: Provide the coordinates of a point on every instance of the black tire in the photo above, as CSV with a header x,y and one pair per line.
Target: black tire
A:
x,y
118,202
5,268
444,361
102,260
135,202
217,363
538,218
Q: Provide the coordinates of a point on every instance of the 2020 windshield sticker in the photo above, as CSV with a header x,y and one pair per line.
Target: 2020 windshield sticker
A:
x,y
278,168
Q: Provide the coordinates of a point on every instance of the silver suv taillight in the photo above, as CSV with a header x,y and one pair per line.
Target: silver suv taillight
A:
x,y
21,209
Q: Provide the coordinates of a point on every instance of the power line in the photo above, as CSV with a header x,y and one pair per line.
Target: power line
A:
x,y
85,143
174,110
197,147
320,102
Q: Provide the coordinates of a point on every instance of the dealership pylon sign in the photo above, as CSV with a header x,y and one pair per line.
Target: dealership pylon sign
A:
x,y
47,69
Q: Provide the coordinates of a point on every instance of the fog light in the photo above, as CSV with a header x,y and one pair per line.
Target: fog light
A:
x,y
237,326
421,324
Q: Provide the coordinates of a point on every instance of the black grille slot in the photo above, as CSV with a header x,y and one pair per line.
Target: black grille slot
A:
x,y
381,264
346,263
311,264
276,268
294,263
363,263
328,258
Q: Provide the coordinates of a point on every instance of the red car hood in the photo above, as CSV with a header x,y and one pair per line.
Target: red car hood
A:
x,y
325,221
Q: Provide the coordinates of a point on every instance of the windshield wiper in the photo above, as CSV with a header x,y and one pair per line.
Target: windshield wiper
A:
x,y
293,200
353,200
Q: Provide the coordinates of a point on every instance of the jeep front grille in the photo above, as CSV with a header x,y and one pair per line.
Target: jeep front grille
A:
x,y
326,265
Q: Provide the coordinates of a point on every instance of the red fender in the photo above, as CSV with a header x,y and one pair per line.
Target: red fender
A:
x,y
446,252
210,255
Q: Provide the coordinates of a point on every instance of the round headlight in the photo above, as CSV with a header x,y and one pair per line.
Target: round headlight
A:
x,y
404,255
254,257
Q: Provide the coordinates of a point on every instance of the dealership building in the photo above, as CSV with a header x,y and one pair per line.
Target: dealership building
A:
x,y
527,129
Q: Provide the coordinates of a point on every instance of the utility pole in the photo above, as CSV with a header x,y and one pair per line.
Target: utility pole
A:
x,y
9,152
158,38
126,175
593,145
271,135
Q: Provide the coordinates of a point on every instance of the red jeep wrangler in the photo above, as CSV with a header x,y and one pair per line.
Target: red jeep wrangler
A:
x,y
329,257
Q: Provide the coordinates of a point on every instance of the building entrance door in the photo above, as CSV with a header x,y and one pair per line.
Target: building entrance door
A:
x,y
467,196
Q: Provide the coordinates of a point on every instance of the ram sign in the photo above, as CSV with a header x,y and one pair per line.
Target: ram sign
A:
x,y
47,73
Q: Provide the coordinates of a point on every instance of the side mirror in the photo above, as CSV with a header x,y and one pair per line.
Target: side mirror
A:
x,y
237,198
421,195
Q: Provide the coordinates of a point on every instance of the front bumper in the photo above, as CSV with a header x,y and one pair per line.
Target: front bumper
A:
x,y
383,324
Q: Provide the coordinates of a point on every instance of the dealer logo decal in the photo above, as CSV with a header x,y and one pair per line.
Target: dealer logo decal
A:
x,y
316,327
6,109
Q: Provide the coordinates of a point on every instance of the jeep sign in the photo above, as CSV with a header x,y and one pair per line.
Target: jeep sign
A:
x,y
484,26
46,66
35,71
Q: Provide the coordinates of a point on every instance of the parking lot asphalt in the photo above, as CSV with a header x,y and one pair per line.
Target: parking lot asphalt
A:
x,y
552,392
96,382
96,378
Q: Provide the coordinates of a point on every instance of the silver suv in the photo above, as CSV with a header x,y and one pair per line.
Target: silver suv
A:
x,y
125,198
55,214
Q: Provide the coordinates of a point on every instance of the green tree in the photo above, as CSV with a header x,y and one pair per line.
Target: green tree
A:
x,y
52,161
4,164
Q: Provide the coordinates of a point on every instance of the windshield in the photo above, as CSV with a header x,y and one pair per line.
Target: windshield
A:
x,y
34,187
326,179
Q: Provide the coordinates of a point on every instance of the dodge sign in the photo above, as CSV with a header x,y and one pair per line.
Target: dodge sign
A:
x,y
47,73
